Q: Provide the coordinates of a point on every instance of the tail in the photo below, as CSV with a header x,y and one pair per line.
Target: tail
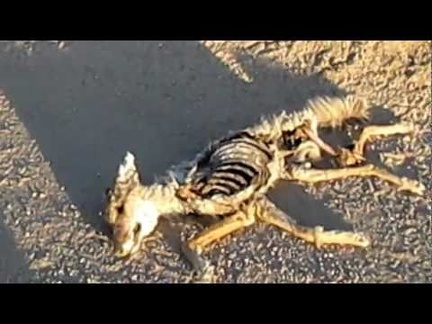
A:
x,y
322,111
334,112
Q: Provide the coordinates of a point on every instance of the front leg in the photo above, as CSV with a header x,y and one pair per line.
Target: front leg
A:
x,y
267,212
313,176
193,248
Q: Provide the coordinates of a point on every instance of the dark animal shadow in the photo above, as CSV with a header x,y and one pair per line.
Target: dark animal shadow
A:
x,y
86,106
382,116
305,209
13,267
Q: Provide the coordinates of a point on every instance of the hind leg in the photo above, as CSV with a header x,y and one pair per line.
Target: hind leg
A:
x,y
349,161
313,175
267,212
355,156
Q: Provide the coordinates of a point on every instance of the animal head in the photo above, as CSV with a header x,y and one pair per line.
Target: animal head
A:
x,y
130,217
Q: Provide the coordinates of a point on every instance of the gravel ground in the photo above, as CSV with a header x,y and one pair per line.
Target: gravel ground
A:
x,y
70,110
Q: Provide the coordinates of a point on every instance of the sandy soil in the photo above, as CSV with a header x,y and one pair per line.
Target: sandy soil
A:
x,y
69,111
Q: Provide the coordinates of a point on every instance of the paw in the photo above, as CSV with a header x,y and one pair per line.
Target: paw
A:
x,y
360,240
412,186
339,237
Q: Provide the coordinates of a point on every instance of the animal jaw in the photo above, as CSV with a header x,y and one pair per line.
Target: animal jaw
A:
x,y
139,220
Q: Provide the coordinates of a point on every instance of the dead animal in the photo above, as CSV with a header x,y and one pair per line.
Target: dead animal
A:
x,y
232,175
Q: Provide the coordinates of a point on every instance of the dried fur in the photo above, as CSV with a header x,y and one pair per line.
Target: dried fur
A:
x,y
322,112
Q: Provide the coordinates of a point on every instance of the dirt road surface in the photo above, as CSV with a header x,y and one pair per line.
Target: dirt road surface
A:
x,y
70,110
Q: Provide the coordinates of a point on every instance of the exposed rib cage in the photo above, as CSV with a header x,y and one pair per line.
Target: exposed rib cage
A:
x,y
250,159
236,163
